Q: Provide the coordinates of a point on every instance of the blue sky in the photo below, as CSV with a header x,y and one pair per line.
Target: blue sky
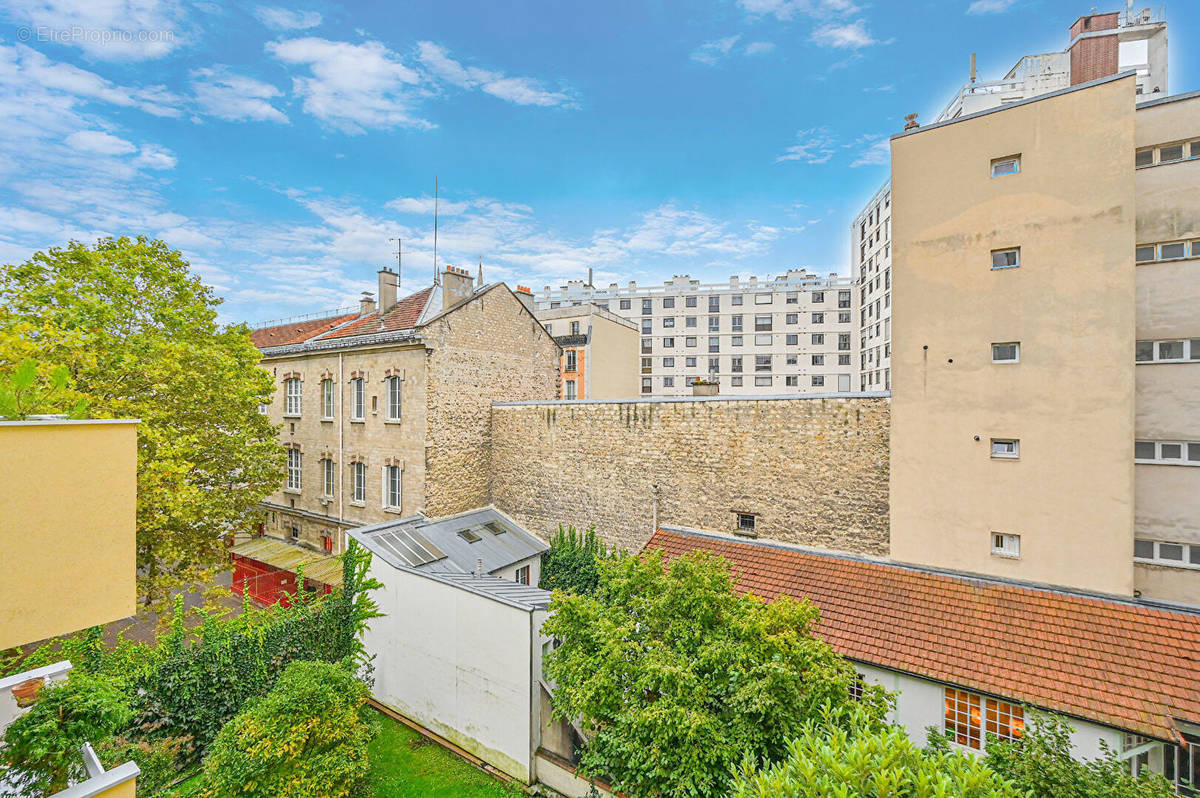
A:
x,y
281,147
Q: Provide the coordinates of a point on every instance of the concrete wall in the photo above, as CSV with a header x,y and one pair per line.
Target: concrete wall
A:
x,y
1070,398
612,359
814,470
68,530
459,664
491,348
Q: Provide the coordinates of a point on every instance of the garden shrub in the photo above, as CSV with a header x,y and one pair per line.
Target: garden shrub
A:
x,y
571,563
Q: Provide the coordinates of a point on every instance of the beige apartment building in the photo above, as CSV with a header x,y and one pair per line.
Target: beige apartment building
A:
x,y
1044,421
385,412
600,351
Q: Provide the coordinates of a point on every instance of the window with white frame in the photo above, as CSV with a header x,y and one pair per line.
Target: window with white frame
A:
x,y
1176,351
327,467
764,299
762,382
392,478
763,339
1008,165
1009,352
358,399
1006,545
818,339
292,396
327,404
294,470
1006,448
818,380
572,359
1006,258
358,479
1167,250
574,328
1167,452
522,575
1162,552
970,718
818,296
572,390
647,384
395,397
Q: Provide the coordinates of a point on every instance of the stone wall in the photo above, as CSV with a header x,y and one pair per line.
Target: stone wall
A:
x,y
813,470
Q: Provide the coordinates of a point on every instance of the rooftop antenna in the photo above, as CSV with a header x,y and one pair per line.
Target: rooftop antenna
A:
x,y
435,225
399,261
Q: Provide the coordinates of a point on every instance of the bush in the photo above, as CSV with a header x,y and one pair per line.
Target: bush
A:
x,y
869,760
1041,762
41,748
161,761
307,737
571,564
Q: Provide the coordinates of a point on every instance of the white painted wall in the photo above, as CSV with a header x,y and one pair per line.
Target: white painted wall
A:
x,y
459,664
920,703
535,570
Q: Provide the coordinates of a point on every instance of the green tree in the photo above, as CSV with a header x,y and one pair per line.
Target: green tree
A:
x,y
138,335
41,748
307,737
675,678
868,759
1041,762
571,564
29,389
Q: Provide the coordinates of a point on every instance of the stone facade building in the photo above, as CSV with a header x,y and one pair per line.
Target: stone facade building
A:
x,y
386,412
600,352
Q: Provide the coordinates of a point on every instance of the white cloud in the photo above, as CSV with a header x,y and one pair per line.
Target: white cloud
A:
x,y
788,9
99,143
518,90
117,30
887,87
352,87
851,35
424,206
816,145
876,154
759,48
227,95
154,157
287,19
712,52
28,65
990,6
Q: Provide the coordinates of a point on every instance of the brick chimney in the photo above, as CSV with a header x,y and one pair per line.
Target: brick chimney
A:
x,y
367,303
526,296
457,285
1094,54
389,284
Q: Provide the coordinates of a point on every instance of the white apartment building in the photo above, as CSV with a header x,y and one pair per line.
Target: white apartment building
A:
x,y
871,270
793,334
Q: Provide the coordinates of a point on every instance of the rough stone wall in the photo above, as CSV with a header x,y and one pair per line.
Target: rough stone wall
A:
x,y
490,349
815,471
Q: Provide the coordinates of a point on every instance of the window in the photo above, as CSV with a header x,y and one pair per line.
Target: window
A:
x,y
554,305
794,318
295,532
1006,258
1006,353
689,341
669,321
1168,351
762,362
762,340
736,299
668,382
294,460
668,342
714,323
735,340
469,535
969,718
843,318
714,304
762,382
843,341
690,362
646,385
668,302
818,360
735,364
1009,165
736,382
327,468
1006,545
818,339
625,304
668,362
793,298
1167,452
818,297
791,359
647,346
395,397
1161,552
647,307
818,318
647,365
358,479
1144,254
647,326
714,364
745,523
1006,448
391,487
522,575
843,360
818,380
763,299
690,321
735,323
292,390
714,344
689,301
1172,152
572,390
1172,251
1144,157
572,360
843,299
358,408
762,323
327,407
792,381
792,340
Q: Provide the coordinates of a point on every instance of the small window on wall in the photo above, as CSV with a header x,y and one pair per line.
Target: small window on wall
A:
x,y
745,524
647,384
1172,152
1006,258
1006,352
1006,545
969,718
1144,254
1144,157
522,575
1009,165
1006,448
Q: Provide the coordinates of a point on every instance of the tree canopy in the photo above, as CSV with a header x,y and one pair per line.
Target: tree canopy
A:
x,y
571,564
674,677
138,336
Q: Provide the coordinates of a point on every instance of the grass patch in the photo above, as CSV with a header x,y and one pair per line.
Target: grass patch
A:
x,y
404,764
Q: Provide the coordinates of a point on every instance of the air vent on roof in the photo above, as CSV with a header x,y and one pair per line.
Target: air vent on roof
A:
x,y
469,535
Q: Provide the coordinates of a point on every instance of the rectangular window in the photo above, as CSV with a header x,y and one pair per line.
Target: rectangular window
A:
x,y
794,318
736,323
1172,251
646,385
714,304
668,362
792,381
1009,165
574,328
1161,552
690,321
1006,258
292,389
762,362
327,407
735,340
762,340
1006,545
647,307
735,364
793,298
818,360
969,718
395,394
818,318
714,323
358,474
818,380
1173,152
572,360
668,342
358,408
294,470
843,299
689,341
843,341
818,339
647,365
1168,351
818,297
689,301
762,323
647,346
714,364
669,321
572,390
1006,353
625,304
791,360
714,344
327,467
735,299
736,382
647,326
522,575
792,340
844,318
391,487
1144,254
668,382
762,382
1144,157
745,523
843,360
1167,452
668,302
1006,448
764,299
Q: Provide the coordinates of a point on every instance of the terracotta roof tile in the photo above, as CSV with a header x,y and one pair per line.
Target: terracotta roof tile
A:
x,y
403,316
284,334
1116,663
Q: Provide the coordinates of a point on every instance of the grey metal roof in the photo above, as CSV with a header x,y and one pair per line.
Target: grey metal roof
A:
x,y
525,596
451,545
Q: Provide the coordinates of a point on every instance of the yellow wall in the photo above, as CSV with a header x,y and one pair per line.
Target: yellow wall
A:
x,y
1070,304
67,530
612,359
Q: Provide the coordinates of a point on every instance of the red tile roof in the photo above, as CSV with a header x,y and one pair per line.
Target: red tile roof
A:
x,y
284,334
403,316
1129,666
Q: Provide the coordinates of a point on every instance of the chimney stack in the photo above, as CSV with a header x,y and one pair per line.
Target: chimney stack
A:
x,y
974,74
389,286
367,303
457,286
526,296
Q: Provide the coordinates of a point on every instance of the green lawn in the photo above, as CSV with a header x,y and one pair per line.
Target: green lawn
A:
x,y
406,765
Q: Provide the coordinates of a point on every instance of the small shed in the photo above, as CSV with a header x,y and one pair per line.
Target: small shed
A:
x,y
265,569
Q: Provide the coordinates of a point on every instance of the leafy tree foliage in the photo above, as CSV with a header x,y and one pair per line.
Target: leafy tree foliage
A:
x,y
137,333
868,759
1041,763
28,389
41,748
571,564
307,737
675,678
